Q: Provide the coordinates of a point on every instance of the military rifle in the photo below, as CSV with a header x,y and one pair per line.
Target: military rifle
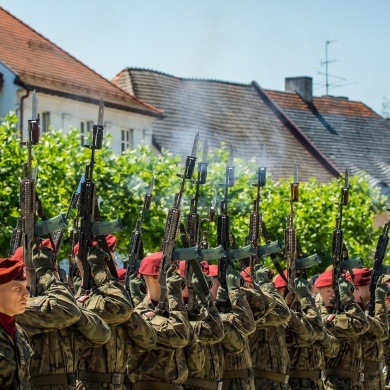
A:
x,y
89,211
339,250
135,248
223,227
290,238
30,228
58,236
171,228
205,244
193,234
377,271
256,217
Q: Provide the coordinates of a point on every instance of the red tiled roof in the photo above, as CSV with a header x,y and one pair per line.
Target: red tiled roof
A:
x,y
324,104
40,64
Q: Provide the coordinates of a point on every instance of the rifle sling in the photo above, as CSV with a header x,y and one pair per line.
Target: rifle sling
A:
x,y
274,259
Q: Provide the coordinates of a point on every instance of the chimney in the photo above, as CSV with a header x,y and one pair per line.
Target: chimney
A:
x,y
301,85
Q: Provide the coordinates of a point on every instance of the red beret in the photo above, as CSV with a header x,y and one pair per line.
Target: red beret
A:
x,y
213,270
46,243
204,266
111,242
18,255
324,280
12,269
278,281
121,274
361,276
246,274
150,265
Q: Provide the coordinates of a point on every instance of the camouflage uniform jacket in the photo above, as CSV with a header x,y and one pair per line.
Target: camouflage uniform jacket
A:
x,y
260,303
373,346
311,358
167,361
238,323
210,330
387,359
58,329
110,300
15,356
347,327
268,343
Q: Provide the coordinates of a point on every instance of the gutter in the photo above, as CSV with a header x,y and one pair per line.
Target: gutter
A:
x,y
297,132
21,119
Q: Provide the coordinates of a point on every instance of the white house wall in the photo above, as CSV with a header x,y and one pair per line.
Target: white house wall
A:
x,y
66,113
8,92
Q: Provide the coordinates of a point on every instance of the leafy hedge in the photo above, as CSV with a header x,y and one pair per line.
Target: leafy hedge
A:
x,y
122,181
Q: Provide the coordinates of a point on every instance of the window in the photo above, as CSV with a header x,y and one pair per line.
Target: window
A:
x,y
45,121
85,128
127,139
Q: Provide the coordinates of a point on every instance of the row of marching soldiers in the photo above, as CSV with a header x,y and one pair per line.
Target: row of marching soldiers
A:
x,y
110,339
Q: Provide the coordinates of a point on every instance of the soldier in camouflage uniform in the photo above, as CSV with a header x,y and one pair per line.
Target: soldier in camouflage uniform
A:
x,y
164,367
270,359
307,363
57,328
387,342
15,351
238,322
105,367
260,303
345,371
373,340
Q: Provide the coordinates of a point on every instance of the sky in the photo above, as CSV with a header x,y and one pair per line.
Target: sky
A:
x,y
235,41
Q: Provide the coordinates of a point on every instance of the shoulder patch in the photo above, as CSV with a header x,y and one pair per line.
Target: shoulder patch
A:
x,y
83,298
331,317
149,314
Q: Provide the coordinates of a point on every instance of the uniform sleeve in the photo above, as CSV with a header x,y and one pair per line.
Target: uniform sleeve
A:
x,y
280,314
234,341
379,325
92,330
330,345
310,312
260,302
56,308
142,335
241,315
195,357
172,332
210,329
299,332
110,301
350,323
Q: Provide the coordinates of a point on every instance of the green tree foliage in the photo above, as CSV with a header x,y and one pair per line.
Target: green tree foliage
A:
x,y
122,181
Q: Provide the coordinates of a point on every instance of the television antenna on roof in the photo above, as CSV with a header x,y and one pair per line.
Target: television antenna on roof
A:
x,y
326,63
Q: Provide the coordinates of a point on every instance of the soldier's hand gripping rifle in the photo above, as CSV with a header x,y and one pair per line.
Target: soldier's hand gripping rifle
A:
x,y
377,271
135,247
339,251
88,208
256,217
223,225
30,229
171,228
290,239
205,244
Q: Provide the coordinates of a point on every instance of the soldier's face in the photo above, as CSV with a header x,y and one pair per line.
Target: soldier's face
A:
x,y
14,296
363,292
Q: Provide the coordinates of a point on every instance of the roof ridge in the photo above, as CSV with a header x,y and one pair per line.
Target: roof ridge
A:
x,y
80,62
186,78
304,139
